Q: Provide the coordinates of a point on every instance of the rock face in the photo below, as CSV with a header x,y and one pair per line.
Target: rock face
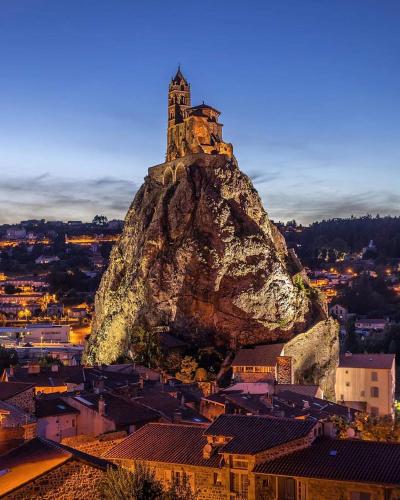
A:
x,y
315,355
198,254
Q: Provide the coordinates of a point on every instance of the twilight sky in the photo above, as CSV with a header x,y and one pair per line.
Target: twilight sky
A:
x,y
309,92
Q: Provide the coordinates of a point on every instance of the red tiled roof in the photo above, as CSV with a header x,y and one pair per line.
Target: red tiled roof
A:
x,y
306,390
168,443
342,460
252,434
10,389
378,361
117,409
260,355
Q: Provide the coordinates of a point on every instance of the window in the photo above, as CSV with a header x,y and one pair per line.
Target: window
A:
x,y
286,488
239,462
362,394
239,484
347,384
374,376
360,495
217,479
301,490
374,392
374,411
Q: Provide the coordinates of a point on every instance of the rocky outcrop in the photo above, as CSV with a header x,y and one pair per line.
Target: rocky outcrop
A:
x,y
315,355
198,254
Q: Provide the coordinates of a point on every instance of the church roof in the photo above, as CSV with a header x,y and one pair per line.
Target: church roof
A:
x,y
179,78
200,107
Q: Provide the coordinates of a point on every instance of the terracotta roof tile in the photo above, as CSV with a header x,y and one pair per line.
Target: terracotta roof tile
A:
x,y
260,355
376,361
10,389
342,460
252,434
168,443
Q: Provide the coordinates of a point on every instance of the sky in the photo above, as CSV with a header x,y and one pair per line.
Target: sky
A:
x,y
309,92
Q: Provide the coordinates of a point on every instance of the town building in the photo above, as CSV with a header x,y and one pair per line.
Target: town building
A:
x,y
47,259
42,470
260,457
47,380
56,419
105,412
19,394
340,312
366,382
262,363
36,332
368,325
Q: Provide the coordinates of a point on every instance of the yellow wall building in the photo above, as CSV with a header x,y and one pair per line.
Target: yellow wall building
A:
x,y
367,382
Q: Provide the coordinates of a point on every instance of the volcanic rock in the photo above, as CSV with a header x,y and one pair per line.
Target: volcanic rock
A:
x,y
198,255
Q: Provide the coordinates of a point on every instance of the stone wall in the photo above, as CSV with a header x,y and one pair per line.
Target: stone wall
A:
x,y
321,489
24,400
94,446
71,480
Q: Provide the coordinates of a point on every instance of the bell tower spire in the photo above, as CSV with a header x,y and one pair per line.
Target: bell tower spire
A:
x,y
179,101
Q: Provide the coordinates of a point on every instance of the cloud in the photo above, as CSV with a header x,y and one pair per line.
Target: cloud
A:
x,y
309,207
50,197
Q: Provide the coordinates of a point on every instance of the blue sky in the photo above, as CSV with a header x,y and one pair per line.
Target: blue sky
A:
x,y
309,91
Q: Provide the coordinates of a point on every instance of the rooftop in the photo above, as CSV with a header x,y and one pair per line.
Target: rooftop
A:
x,y
169,443
376,361
10,389
48,407
36,457
261,355
343,460
117,409
253,434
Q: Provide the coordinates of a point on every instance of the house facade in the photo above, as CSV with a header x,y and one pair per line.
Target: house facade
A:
x,y
367,382
254,457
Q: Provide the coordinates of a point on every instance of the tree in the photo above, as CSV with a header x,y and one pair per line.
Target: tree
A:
x,y
100,220
144,347
378,428
188,370
122,484
24,314
201,375
8,357
180,489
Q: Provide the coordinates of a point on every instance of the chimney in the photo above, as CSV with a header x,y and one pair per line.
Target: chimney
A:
x,y
329,429
177,417
102,406
207,451
141,382
267,400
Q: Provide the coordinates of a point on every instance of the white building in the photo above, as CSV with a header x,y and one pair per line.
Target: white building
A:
x,y
366,382
36,333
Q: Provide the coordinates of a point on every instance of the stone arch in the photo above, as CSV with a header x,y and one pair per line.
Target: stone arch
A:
x,y
180,171
168,176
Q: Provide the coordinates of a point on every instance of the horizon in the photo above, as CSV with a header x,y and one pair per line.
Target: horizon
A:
x,y
308,94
